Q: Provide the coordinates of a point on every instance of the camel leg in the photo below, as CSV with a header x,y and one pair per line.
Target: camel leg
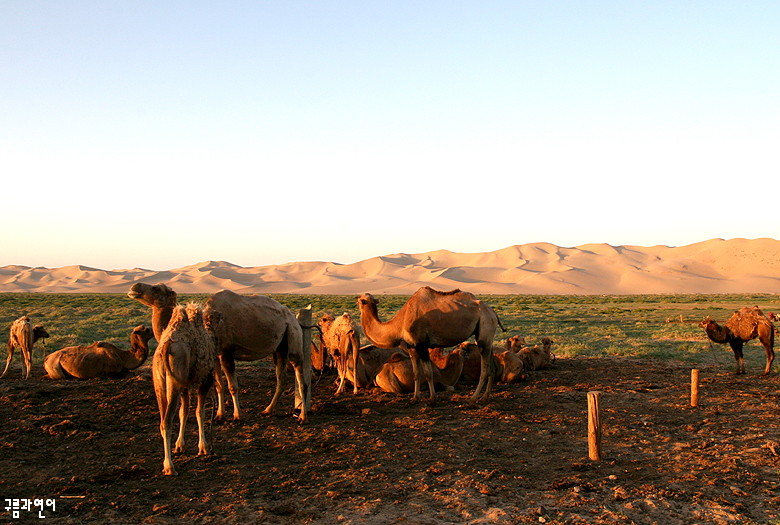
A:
x,y
27,360
280,360
229,368
427,367
219,386
736,346
341,366
768,340
10,356
167,413
184,408
415,370
485,374
355,350
200,413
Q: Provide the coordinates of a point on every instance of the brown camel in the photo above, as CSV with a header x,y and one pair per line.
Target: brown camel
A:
x,y
251,328
184,361
100,359
537,357
396,375
23,335
744,325
370,360
341,339
432,318
508,367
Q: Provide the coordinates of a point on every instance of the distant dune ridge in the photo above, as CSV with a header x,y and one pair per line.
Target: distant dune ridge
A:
x,y
714,266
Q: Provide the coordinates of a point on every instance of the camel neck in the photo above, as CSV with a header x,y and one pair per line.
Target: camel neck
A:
x,y
161,316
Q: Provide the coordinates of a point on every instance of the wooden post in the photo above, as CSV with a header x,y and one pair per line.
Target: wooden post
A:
x,y
594,426
694,387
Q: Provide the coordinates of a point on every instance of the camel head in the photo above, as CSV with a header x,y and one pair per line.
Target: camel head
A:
x,y
515,343
511,366
706,322
154,295
40,332
326,322
367,300
143,333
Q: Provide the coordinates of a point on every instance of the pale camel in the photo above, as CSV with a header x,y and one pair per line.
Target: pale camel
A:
x,y
515,343
341,339
396,375
184,361
744,325
431,318
100,359
252,328
537,357
23,335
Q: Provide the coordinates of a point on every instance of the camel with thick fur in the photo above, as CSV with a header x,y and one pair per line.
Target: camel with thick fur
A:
x,y
100,359
184,361
341,339
23,336
744,325
431,318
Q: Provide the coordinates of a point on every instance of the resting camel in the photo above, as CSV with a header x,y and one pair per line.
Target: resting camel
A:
x,y
23,335
515,343
744,325
508,366
396,377
370,361
100,359
537,357
432,318
184,361
251,328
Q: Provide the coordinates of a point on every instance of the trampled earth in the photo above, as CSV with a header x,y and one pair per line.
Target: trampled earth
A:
x,y
93,446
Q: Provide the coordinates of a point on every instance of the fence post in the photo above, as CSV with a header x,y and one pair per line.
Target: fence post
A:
x,y
694,387
594,426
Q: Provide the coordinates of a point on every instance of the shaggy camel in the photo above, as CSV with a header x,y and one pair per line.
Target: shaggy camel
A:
x,y
515,343
100,359
744,325
184,361
508,366
396,376
341,339
23,335
432,318
252,328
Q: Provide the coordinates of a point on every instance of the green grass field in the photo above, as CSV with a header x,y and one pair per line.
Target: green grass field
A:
x,y
639,326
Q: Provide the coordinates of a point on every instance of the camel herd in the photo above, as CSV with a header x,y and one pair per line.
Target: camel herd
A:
x,y
425,343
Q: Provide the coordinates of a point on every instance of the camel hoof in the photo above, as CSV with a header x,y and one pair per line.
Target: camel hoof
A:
x,y
170,472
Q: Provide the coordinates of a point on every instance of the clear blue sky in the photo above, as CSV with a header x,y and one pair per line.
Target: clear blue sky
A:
x,y
160,134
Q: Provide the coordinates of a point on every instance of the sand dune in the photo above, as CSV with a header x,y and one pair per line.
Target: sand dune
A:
x,y
714,266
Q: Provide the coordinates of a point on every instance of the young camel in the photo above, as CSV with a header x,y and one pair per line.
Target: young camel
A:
x,y
184,361
432,318
396,375
252,328
100,359
508,366
537,357
371,359
744,325
341,339
23,335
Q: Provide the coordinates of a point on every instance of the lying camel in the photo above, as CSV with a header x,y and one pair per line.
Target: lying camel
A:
x,y
341,339
744,325
99,359
23,335
537,357
184,361
431,318
515,343
507,366
370,361
396,375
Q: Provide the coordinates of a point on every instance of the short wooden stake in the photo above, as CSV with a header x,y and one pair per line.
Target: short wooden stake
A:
x,y
594,426
694,387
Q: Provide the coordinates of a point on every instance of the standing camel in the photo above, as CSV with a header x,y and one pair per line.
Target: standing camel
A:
x,y
251,328
432,318
341,338
23,335
744,325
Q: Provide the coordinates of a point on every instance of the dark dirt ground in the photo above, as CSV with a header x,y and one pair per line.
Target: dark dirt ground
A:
x,y
374,458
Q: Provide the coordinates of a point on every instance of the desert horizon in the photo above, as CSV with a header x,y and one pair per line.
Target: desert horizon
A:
x,y
712,266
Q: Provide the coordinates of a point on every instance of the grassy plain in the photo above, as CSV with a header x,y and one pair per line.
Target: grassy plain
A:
x,y
653,326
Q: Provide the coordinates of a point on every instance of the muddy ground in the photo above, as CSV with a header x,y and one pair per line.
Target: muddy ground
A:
x,y
93,447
